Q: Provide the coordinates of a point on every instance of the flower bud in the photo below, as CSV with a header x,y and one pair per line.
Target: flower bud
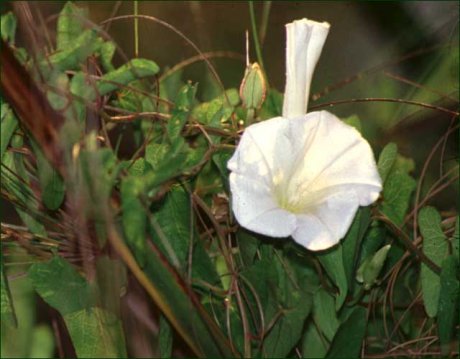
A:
x,y
253,87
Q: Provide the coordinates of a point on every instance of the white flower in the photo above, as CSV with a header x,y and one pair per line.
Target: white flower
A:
x,y
302,175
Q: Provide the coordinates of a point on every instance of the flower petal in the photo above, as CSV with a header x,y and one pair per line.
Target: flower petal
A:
x,y
327,222
256,210
305,40
334,156
263,152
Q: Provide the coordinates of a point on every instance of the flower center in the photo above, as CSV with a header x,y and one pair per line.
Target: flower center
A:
x,y
292,198
297,195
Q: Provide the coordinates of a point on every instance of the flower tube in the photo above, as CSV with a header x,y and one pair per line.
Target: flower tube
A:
x,y
304,43
302,175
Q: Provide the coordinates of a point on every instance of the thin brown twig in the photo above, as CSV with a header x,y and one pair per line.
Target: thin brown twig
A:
x,y
424,170
372,70
134,116
417,85
381,99
443,149
420,181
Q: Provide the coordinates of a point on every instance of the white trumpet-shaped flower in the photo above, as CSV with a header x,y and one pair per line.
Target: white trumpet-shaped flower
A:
x,y
302,175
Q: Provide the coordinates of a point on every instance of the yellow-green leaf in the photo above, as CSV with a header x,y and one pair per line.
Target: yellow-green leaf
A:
x,y
96,333
132,70
70,24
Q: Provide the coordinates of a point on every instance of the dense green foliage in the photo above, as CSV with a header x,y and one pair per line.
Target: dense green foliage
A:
x,y
141,219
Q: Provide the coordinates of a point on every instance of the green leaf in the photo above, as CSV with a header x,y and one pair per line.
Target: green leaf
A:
x,y
174,219
83,93
107,51
370,269
51,183
448,303
220,158
184,103
176,123
223,271
324,313
6,302
15,341
353,121
8,27
167,162
156,154
435,247
170,85
247,245
352,242
99,170
60,285
404,164
134,216
15,180
218,110
165,338
74,54
96,333
187,315
397,192
59,86
273,105
203,268
372,241
347,342
313,345
264,278
185,98
456,239
296,304
70,25
387,159
42,345
132,70
138,167
332,262
9,125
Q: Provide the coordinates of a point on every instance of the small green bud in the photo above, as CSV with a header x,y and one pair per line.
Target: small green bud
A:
x,y
369,270
253,87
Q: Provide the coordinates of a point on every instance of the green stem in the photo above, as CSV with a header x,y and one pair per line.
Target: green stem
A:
x,y
264,22
136,29
254,34
250,114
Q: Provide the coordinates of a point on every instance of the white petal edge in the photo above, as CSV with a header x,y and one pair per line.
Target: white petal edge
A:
x,y
255,209
263,152
304,43
328,223
336,156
